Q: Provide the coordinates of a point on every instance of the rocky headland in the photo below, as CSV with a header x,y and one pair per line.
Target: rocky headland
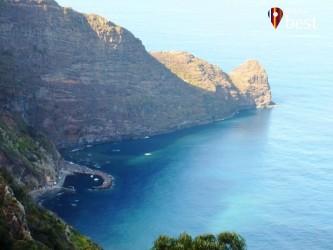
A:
x,y
243,88
68,79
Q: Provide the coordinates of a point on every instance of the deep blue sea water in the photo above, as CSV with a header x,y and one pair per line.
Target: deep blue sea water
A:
x,y
266,174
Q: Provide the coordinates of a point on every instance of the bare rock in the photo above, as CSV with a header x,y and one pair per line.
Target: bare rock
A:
x,y
12,213
252,81
246,86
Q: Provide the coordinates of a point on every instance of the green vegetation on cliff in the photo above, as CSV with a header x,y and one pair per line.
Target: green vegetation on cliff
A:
x,y
27,158
27,154
25,225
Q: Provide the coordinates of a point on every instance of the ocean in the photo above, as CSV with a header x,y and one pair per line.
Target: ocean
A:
x,y
265,174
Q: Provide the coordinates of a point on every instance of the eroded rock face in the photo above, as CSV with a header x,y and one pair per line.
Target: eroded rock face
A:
x,y
12,213
252,81
246,86
80,78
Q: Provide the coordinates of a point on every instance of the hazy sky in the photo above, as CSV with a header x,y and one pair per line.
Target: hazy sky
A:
x,y
232,16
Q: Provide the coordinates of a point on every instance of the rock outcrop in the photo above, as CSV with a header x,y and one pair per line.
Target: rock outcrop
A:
x,y
81,78
252,81
13,213
246,86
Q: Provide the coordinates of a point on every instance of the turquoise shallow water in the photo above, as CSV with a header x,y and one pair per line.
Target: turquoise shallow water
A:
x,y
266,174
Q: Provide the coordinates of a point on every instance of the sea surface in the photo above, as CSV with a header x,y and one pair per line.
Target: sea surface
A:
x,y
266,174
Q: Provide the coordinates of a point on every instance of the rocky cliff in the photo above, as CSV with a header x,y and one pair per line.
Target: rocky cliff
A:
x,y
28,160
27,154
67,79
25,225
81,78
244,87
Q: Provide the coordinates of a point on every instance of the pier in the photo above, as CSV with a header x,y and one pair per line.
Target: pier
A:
x,y
72,169
56,187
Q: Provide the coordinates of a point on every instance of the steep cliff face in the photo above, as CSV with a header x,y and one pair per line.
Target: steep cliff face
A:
x,y
28,155
80,78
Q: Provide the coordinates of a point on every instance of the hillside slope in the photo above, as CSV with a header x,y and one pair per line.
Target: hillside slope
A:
x,y
25,225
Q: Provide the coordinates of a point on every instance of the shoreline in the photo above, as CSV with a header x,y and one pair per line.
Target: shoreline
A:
x,y
81,145
69,169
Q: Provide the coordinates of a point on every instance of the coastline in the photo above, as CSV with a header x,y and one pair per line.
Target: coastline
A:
x,y
144,135
57,188
71,168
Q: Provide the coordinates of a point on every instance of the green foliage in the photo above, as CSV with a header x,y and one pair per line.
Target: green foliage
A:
x,y
205,241
28,245
185,240
83,243
164,242
8,178
223,241
47,230
6,239
231,240
25,150
18,148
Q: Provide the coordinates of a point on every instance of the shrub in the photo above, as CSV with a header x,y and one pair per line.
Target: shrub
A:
x,y
223,241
